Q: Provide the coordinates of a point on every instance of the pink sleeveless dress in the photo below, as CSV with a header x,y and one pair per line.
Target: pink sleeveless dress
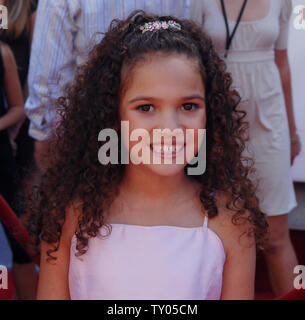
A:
x,y
149,263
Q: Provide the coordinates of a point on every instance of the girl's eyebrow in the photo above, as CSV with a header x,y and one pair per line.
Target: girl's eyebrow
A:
x,y
143,98
194,97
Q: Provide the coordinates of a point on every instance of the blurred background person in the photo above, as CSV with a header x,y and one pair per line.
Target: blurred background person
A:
x,y
65,32
12,112
18,36
21,21
252,37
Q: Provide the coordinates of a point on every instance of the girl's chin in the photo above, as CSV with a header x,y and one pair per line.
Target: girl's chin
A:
x,y
166,169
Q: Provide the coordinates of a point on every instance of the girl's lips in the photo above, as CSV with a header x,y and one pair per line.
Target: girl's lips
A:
x,y
167,151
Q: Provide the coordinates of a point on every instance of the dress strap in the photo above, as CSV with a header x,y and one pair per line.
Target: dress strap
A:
x,y
205,222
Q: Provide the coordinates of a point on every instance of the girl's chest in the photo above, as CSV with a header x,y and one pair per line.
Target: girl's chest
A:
x,y
185,214
148,263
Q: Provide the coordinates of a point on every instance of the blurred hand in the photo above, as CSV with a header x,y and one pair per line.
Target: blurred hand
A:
x,y
13,133
295,150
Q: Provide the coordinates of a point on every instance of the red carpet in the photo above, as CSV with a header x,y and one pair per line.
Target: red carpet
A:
x,y
8,294
262,284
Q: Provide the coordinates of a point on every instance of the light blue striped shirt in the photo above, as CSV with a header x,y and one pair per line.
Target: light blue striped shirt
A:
x,y
65,31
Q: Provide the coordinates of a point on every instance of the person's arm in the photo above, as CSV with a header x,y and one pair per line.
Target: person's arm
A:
x,y
281,60
32,20
12,89
52,50
14,131
32,25
240,250
239,268
54,275
51,67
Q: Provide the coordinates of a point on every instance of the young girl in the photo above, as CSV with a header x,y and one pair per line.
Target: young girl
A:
x,y
148,231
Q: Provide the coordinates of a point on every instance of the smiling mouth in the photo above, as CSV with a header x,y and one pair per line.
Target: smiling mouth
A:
x,y
167,150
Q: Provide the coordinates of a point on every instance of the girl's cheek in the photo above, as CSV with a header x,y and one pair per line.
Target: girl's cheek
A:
x,y
194,141
135,135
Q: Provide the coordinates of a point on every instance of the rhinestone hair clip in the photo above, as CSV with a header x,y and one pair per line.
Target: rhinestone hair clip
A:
x,y
157,25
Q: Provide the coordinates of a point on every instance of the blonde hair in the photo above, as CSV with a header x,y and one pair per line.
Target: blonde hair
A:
x,y
18,17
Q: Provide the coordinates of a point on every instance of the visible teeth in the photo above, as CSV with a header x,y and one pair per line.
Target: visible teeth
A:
x,y
167,149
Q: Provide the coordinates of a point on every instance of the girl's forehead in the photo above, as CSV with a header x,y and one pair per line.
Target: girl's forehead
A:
x,y
164,70
161,59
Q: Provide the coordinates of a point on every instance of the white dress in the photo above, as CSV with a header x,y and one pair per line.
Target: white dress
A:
x,y
256,77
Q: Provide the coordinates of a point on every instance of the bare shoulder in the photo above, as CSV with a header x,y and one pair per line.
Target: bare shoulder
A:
x,y
234,235
53,279
240,249
69,225
73,212
61,248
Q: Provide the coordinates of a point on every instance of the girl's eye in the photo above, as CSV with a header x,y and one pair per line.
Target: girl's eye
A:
x,y
189,106
145,108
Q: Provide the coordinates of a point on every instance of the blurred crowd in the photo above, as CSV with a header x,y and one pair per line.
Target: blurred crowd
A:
x,y
17,147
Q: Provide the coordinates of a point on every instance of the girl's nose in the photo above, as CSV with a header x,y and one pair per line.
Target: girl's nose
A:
x,y
170,125
169,120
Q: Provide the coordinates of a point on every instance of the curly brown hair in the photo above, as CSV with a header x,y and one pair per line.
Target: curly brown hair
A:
x,y
91,104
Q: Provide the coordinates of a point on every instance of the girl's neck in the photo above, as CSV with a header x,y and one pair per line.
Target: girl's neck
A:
x,y
142,183
146,198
